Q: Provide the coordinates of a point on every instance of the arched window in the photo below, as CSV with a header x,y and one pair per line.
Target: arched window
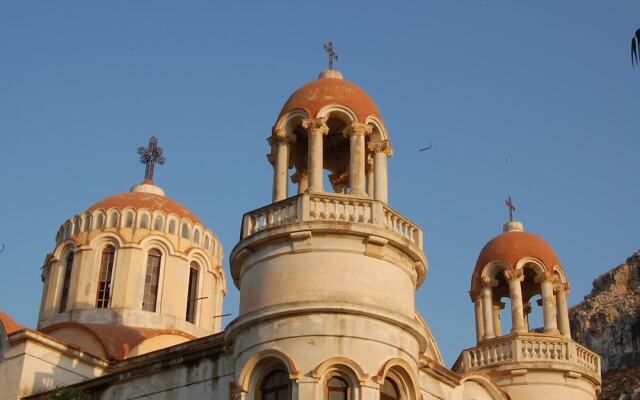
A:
x,y
103,296
206,242
66,282
196,236
185,231
337,389
100,223
157,224
76,227
172,227
128,221
87,223
192,292
389,390
144,221
151,279
113,221
275,386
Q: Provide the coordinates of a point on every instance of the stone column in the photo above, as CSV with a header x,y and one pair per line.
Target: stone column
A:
x,y
527,310
514,277
381,151
487,310
356,133
497,325
369,171
561,290
280,142
548,304
302,179
316,129
477,300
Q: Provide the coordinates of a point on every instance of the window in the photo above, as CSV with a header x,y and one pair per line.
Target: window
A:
x,y
337,389
192,292
172,227
196,236
128,222
113,221
87,223
76,227
144,221
151,278
389,390
66,282
206,242
275,386
104,279
100,223
157,224
185,231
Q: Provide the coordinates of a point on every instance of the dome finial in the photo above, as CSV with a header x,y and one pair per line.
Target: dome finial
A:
x,y
512,226
150,156
328,47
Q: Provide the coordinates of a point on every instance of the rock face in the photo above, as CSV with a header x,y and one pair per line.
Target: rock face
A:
x,y
608,322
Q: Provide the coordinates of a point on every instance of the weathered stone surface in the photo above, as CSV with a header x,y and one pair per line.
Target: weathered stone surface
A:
x,y
608,322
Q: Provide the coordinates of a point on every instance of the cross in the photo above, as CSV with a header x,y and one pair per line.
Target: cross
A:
x,y
511,207
150,156
328,47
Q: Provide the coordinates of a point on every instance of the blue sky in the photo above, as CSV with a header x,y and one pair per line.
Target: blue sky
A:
x,y
535,100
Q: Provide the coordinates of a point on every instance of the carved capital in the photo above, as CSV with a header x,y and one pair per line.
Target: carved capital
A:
x,y
514,274
271,159
561,288
356,128
299,175
281,135
383,146
317,125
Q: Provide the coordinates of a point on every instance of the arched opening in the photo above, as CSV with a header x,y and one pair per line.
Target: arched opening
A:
x,y
185,231
76,226
128,222
275,386
389,390
100,221
157,224
337,388
105,277
172,227
113,220
87,223
66,282
144,221
152,277
532,299
192,292
196,236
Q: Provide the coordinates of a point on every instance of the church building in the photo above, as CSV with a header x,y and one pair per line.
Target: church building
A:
x,y
327,272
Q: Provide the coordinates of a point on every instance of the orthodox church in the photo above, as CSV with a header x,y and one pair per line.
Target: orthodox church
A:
x,y
133,290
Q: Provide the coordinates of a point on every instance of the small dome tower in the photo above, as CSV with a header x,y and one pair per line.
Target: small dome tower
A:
x,y
526,363
135,272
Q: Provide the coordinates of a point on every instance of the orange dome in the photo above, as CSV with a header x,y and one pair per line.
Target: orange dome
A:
x,y
329,89
145,200
514,245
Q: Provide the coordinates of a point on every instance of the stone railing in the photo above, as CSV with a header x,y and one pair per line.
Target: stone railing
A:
x,y
311,207
529,348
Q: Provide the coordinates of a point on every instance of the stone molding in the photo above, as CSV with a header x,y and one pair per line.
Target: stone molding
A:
x,y
358,129
383,146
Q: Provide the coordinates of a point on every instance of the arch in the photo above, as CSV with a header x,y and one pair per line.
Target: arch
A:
x,y
559,272
533,263
185,230
340,111
158,223
77,225
152,279
482,380
66,230
196,236
88,218
291,120
144,220
206,242
155,240
251,369
490,271
105,238
172,226
129,219
342,364
114,219
100,220
379,131
402,374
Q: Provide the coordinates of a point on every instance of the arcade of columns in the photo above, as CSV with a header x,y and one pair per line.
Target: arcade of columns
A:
x,y
554,306
367,163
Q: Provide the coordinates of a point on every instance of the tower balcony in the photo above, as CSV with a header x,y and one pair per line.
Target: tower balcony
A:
x,y
519,352
332,208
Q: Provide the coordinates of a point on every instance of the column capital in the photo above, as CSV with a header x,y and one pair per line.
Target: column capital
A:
x,y
316,125
271,158
281,135
561,287
514,274
299,175
357,128
383,146
475,296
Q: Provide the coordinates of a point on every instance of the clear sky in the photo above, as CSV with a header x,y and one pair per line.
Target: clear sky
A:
x,y
537,100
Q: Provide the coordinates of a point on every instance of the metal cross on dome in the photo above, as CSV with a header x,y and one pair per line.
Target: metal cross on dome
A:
x,y
150,156
328,47
511,207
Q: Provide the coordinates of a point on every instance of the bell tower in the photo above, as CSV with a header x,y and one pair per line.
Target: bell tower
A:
x,y
527,362
329,272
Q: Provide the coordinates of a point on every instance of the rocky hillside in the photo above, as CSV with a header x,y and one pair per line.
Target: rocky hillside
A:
x,y
608,322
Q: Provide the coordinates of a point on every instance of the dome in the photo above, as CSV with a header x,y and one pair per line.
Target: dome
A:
x,y
513,245
149,196
330,88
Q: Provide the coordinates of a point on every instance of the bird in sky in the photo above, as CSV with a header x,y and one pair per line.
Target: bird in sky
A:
x,y
426,148
2,247
635,49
